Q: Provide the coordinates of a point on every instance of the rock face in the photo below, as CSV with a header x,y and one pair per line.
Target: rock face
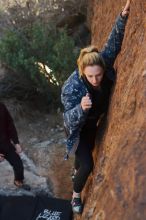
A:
x,y
116,189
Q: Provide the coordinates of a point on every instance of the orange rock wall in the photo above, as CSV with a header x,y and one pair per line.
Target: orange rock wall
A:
x,y
117,188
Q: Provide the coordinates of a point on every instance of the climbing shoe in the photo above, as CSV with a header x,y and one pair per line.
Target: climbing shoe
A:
x,y
77,206
22,185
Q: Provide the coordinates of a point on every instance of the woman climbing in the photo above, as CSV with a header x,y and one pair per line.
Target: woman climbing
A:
x,y
85,96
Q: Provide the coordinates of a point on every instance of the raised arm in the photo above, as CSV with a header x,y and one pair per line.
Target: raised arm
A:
x,y
113,45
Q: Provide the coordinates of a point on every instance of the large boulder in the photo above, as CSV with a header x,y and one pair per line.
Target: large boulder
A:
x,y
116,190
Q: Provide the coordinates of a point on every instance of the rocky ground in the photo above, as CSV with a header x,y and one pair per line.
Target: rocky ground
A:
x,y
42,138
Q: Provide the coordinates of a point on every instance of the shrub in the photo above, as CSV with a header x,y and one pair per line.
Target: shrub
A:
x,y
24,47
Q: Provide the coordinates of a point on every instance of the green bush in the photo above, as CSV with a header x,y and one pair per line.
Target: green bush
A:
x,y
22,48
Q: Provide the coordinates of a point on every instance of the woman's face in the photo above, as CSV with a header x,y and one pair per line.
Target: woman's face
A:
x,y
94,75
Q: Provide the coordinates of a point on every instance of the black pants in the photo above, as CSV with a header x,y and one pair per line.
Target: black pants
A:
x,y
15,161
83,158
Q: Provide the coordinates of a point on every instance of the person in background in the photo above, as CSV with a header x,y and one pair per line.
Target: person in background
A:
x,y
85,97
10,147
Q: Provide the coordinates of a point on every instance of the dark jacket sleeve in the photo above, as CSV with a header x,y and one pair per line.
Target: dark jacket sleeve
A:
x,y
114,42
73,113
11,129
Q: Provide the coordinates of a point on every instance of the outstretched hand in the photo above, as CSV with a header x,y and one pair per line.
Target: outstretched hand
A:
x,y
126,9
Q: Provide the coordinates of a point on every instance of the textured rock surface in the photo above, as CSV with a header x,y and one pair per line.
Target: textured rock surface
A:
x,y
116,190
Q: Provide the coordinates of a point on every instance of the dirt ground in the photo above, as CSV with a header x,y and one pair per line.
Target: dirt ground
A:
x,y
42,138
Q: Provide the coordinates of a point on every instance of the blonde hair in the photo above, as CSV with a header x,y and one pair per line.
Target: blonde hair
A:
x,y
89,56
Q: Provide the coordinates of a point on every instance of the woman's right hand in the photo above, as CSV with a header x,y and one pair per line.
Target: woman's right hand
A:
x,y
86,102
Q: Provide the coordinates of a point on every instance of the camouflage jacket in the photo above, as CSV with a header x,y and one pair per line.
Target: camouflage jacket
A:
x,y
74,88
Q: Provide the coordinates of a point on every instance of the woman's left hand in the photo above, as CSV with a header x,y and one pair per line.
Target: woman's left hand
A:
x,y
126,9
